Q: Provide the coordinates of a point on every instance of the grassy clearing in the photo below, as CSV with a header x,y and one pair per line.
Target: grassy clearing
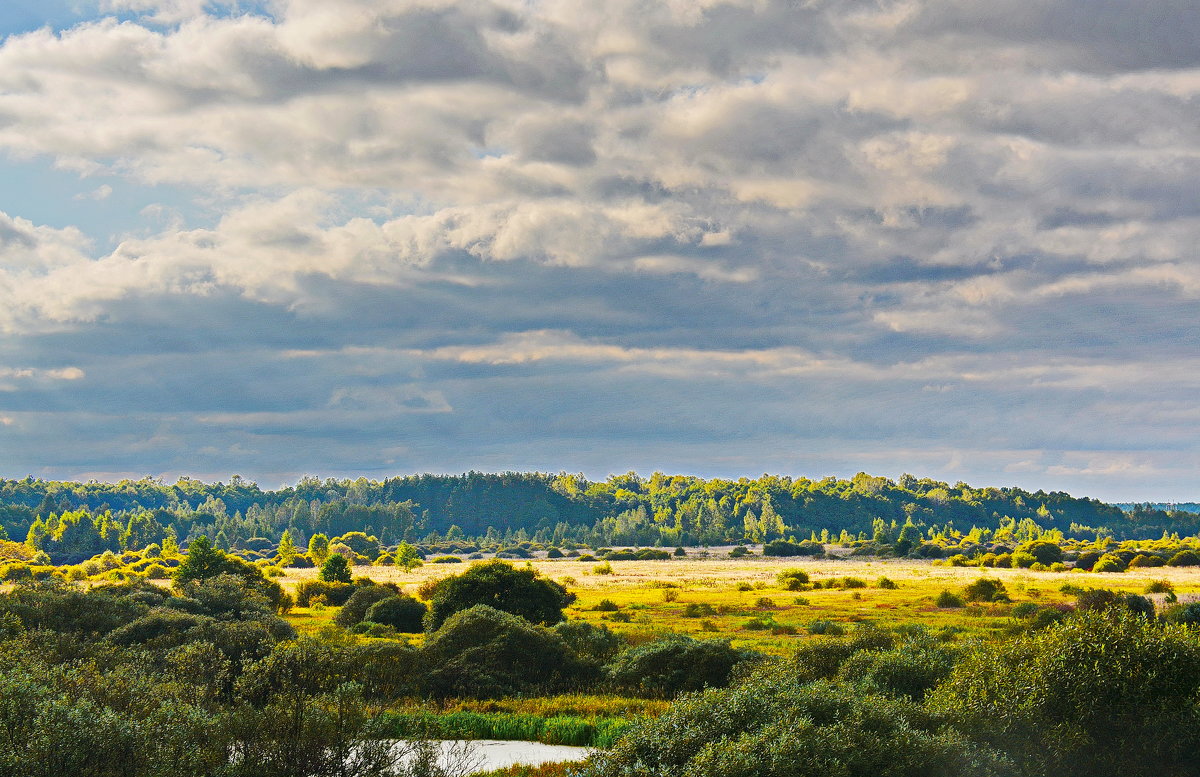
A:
x,y
741,599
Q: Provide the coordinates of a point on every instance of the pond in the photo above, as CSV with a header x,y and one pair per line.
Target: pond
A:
x,y
478,755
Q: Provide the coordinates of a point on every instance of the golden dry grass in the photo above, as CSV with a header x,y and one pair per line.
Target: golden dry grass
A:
x,y
639,589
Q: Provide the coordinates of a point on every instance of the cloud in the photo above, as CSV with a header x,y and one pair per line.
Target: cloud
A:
x,y
970,224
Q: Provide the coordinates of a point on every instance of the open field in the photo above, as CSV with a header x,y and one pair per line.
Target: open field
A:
x,y
749,606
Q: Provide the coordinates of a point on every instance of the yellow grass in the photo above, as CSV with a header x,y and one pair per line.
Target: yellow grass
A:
x,y
637,588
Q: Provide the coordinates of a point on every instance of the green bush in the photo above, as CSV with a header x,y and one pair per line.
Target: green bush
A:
x,y
772,726
334,594
482,652
520,591
793,579
355,608
402,613
886,584
1184,558
985,590
947,600
675,664
1103,693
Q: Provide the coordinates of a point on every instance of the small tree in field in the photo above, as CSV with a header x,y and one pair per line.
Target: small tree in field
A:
x,y
318,548
407,557
287,549
336,569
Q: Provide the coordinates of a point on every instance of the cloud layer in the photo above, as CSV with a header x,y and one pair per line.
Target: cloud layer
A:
x,y
727,237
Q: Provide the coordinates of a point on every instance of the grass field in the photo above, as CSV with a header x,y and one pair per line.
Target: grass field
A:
x,y
741,599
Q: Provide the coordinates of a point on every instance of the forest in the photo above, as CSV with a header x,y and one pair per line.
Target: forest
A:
x,y
74,521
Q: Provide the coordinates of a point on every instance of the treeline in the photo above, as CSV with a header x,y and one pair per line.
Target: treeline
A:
x,y
77,520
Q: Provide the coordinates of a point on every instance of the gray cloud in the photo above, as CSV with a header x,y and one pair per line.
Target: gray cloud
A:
x,y
721,236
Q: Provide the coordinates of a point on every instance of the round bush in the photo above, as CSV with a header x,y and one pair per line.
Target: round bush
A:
x,y
403,613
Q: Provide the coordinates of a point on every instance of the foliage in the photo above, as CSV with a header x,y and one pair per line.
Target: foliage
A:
x,y
355,608
403,613
481,651
675,664
336,569
772,726
1104,692
520,591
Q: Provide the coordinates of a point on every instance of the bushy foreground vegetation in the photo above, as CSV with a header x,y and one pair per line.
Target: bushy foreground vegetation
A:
x,y
1104,692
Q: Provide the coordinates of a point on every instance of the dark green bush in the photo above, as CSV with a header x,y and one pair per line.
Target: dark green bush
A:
x,y
482,652
355,608
675,664
403,613
520,591
335,594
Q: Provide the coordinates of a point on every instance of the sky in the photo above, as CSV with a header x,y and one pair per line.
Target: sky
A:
x,y
956,238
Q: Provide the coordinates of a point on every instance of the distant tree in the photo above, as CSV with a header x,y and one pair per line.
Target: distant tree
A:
x,y
287,551
336,569
407,557
520,591
318,548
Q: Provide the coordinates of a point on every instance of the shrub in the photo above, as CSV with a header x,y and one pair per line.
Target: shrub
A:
x,y
680,552
1109,563
985,590
590,642
1124,687
482,652
1159,587
886,584
1188,614
1024,610
1143,560
675,664
1043,551
1097,599
355,608
793,579
847,583
827,628
698,610
334,594
772,725
336,569
520,591
606,605
1184,558
1023,560
446,560
947,599
554,553
739,551
910,670
401,612
602,569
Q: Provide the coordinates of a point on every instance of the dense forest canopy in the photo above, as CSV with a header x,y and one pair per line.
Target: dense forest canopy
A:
x,y
77,520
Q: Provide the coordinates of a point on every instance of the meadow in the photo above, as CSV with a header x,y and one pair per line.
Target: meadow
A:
x,y
743,600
